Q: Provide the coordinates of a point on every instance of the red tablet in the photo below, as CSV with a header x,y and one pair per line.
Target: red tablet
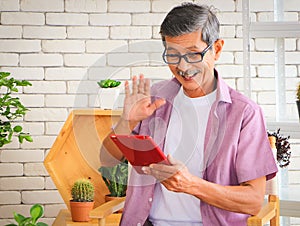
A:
x,y
139,150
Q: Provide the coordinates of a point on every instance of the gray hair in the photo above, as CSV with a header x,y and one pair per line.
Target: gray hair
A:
x,y
190,17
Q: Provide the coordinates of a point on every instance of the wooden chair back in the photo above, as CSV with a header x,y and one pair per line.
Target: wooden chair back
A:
x,y
270,211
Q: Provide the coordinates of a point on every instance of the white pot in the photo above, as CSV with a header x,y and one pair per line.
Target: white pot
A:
x,y
108,98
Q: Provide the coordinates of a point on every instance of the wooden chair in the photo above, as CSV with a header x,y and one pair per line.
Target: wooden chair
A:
x,y
270,211
75,154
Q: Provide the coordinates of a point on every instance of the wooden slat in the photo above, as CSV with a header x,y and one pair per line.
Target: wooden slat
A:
x,y
107,208
96,112
276,220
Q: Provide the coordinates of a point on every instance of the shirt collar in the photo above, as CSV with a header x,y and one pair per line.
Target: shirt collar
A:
x,y
223,92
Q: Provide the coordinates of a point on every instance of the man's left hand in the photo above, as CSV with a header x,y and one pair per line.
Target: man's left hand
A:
x,y
175,177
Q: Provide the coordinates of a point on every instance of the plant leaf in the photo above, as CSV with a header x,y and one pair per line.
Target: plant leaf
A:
x,y
28,138
17,129
36,211
25,221
18,217
41,224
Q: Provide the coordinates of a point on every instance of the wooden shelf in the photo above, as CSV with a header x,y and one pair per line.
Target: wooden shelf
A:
x,y
75,152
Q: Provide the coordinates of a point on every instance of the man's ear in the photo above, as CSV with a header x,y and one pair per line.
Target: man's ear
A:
x,y
218,46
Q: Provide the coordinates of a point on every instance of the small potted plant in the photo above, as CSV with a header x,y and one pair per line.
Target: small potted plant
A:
x,y
115,179
109,92
36,212
82,200
298,99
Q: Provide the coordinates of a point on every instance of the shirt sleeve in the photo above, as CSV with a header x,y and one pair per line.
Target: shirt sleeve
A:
x,y
254,157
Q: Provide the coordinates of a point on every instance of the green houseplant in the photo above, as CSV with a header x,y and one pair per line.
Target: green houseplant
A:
x,y
11,109
36,212
109,83
116,178
109,92
298,99
82,202
282,147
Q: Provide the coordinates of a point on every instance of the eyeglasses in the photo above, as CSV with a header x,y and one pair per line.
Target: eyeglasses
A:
x,y
193,57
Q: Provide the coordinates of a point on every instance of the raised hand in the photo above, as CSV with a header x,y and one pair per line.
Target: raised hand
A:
x,y
137,103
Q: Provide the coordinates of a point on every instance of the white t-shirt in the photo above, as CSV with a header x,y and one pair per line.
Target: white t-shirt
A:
x,y
185,142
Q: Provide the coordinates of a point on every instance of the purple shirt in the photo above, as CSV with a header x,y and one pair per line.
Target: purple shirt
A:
x,y
236,149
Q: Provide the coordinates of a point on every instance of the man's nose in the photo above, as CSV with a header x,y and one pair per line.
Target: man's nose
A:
x,y
183,65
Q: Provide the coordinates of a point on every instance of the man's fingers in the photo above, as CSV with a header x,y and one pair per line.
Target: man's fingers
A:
x,y
134,85
127,89
173,161
157,104
141,84
147,87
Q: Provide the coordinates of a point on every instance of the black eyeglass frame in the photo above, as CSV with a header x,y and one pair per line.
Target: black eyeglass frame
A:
x,y
184,56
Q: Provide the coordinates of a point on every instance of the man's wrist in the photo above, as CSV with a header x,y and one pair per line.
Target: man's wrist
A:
x,y
124,126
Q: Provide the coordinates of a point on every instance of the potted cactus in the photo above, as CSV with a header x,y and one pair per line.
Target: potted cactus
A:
x,y
82,199
298,99
109,92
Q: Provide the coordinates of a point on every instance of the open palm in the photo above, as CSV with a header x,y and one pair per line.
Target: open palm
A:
x,y
137,102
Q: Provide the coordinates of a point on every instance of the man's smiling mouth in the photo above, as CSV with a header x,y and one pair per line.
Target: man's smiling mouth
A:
x,y
188,75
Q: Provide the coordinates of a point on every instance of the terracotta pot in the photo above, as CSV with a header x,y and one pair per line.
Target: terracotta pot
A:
x,y
80,210
109,198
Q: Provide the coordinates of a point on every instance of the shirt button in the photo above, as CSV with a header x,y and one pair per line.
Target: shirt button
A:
x,y
150,199
139,224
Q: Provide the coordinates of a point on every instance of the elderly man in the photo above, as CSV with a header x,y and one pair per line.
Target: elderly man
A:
x,y
214,137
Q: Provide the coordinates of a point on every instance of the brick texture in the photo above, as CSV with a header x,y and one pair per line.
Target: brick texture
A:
x,y
38,6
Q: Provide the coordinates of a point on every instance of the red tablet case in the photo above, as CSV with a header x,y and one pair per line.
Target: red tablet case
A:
x,y
139,150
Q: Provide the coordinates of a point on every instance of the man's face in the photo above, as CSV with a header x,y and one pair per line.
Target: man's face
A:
x,y
197,78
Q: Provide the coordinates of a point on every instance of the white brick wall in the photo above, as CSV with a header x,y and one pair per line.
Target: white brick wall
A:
x,y
44,32
28,73
88,32
67,19
110,19
131,32
22,18
20,46
95,6
9,59
37,60
40,6
9,5
63,47
10,32
63,73
129,6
